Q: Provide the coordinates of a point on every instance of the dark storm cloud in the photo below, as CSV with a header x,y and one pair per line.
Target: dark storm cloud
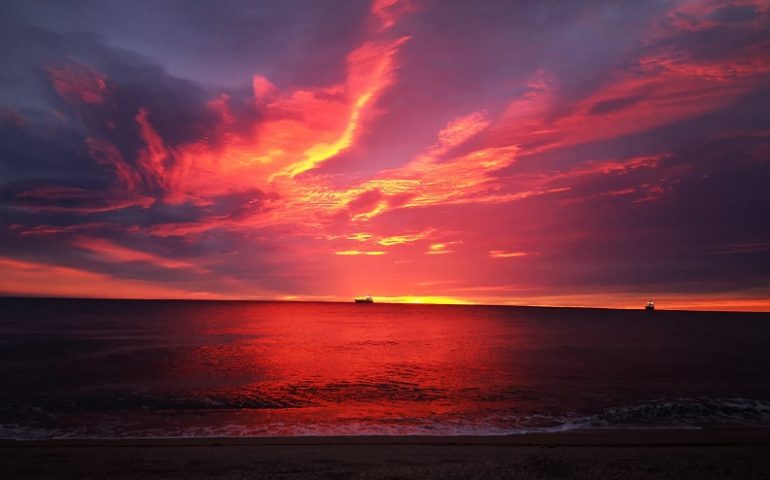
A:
x,y
615,104
47,130
735,13
47,115
712,185
51,181
215,43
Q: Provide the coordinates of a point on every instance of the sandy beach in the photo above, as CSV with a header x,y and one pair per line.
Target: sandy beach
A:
x,y
611,454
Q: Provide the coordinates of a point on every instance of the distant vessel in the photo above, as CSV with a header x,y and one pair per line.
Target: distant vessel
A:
x,y
366,299
650,305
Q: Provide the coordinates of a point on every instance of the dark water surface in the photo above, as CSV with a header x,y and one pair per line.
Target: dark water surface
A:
x,y
109,368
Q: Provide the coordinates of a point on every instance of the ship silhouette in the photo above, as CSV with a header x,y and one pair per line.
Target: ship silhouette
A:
x,y
650,305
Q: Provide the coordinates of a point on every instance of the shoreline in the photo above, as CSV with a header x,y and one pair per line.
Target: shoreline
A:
x,y
688,454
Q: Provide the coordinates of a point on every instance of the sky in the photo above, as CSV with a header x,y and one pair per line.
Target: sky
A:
x,y
551,153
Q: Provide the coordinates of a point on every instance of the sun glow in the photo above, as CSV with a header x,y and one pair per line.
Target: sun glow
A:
x,y
424,299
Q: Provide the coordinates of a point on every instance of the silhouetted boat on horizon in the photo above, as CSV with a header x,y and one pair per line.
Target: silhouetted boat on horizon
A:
x,y
650,305
366,299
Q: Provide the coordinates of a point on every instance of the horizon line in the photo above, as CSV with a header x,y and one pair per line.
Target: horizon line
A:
x,y
386,302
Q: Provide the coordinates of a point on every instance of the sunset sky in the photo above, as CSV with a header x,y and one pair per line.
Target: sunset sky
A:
x,y
550,153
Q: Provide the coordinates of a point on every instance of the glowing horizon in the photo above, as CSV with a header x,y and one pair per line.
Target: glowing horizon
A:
x,y
587,155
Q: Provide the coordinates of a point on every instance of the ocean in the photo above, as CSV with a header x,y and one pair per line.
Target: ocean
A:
x,y
125,368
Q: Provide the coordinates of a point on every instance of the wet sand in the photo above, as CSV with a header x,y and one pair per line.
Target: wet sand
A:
x,y
719,454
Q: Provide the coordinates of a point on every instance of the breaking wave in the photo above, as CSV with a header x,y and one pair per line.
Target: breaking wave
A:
x,y
225,418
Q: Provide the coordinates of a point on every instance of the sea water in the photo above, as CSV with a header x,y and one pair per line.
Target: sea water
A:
x,y
109,368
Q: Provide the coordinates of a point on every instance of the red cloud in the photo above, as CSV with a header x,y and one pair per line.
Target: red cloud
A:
x,y
77,83
387,12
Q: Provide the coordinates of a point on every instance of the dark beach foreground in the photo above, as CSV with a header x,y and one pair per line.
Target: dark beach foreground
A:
x,y
716,454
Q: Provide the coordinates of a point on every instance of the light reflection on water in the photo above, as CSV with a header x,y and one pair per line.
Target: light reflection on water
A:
x,y
108,368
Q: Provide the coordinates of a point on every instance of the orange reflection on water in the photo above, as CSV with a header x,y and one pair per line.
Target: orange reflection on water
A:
x,y
352,365
178,368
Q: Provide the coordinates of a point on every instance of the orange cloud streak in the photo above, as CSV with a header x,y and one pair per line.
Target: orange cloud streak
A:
x,y
113,252
506,254
360,252
19,277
